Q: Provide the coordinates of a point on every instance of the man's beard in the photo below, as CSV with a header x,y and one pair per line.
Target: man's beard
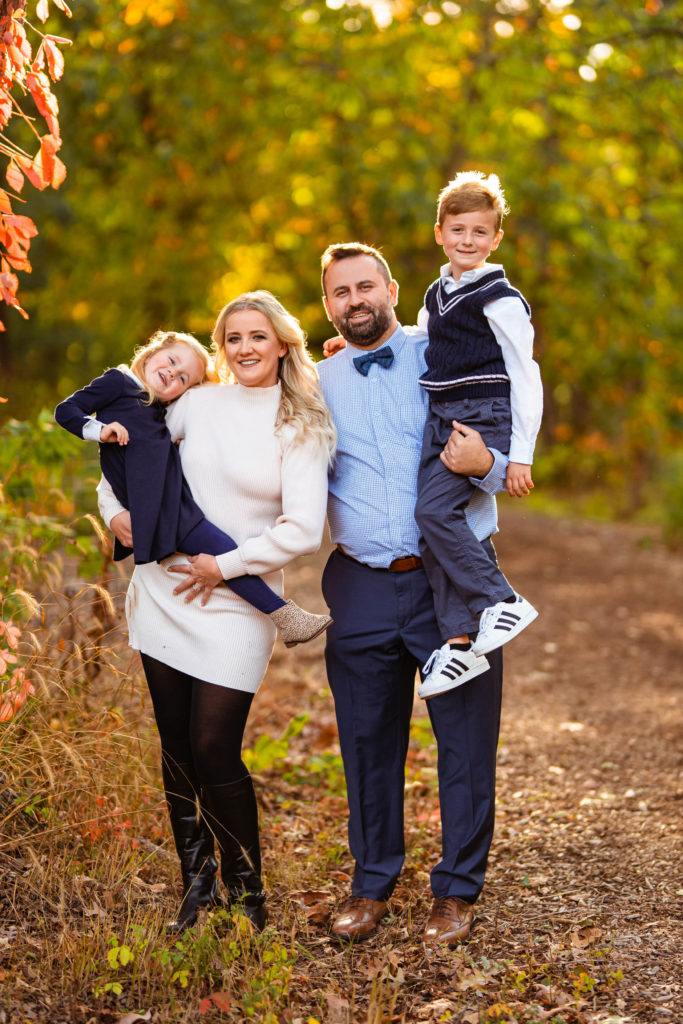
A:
x,y
367,333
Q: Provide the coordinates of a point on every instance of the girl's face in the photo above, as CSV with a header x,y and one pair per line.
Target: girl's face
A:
x,y
252,348
170,371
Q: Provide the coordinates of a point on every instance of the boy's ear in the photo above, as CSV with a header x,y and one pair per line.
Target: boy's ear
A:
x,y
437,234
497,239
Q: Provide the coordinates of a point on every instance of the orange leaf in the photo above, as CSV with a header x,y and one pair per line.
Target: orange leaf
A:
x,y
55,60
42,10
5,107
59,173
63,7
15,179
34,175
47,157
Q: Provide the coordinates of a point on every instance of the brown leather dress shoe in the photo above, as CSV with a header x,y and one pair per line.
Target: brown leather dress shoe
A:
x,y
358,917
450,921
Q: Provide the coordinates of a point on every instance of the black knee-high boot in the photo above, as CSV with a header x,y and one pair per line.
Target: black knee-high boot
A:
x,y
232,814
193,841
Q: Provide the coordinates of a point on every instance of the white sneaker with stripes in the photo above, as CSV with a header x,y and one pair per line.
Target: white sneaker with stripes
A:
x,y
448,668
502,622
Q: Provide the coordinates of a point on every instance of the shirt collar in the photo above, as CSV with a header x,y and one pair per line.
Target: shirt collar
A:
x,y
469,275
127,370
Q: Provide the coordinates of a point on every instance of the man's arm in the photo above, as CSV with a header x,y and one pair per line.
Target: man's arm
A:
x,y
466,454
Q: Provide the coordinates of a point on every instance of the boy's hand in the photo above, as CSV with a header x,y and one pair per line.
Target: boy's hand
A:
x,y
518,479
114,432
333,345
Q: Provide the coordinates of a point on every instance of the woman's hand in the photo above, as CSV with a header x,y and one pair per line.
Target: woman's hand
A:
x,y
121,528
202,574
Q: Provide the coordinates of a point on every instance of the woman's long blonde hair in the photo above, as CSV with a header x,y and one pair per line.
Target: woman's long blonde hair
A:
x,y
301,404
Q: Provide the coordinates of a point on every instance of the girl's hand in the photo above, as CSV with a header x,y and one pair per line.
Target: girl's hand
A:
x,y
114,432
121,528
518,479
202,574
333,345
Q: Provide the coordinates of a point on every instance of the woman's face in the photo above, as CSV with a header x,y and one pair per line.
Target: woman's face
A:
x,y
252,348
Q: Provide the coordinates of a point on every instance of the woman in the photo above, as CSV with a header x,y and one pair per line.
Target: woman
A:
x,y
255,454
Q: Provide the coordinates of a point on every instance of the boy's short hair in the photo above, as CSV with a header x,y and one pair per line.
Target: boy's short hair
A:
x,y
344,250
470,191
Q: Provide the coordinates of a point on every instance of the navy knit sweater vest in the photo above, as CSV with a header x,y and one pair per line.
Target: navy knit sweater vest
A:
x,y
464,360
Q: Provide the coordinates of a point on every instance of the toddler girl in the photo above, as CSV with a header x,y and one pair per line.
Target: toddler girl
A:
x,y
142,465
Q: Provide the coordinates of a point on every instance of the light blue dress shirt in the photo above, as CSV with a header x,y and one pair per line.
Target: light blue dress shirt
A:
x,y
373,483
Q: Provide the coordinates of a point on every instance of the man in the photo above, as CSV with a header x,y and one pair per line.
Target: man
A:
x,y
384,625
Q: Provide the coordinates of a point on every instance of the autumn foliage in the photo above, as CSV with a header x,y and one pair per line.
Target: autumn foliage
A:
x,y
26,76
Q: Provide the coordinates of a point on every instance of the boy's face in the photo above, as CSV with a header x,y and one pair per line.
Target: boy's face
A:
x,y
468,239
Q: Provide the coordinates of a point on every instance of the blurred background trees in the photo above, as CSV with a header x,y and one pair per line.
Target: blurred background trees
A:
x,y
215,146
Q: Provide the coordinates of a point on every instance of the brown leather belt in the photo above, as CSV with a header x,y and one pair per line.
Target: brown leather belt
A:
x,y
398,565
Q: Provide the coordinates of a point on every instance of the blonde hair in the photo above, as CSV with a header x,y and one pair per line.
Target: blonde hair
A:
x,y
301,403
470,191
164,339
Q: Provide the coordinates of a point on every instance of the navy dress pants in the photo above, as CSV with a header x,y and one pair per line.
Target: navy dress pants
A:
x,y
470,581
384,630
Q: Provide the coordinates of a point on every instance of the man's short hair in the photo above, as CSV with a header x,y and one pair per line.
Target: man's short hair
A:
x,y
470,191
344,250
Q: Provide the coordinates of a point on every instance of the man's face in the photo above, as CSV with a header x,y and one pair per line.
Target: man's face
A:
x,y
359,301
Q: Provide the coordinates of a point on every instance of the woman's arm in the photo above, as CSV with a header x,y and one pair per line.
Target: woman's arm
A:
x,y
297,531
114,514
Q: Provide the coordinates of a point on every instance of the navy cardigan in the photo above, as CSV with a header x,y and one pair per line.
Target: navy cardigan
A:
x,y
145,475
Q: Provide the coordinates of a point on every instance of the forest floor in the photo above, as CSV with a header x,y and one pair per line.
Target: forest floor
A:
x,y
580,919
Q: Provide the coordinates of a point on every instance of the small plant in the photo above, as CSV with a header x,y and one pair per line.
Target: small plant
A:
x,y
15,688
266,751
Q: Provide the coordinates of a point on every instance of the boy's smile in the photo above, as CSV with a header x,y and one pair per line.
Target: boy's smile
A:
x,y
468,239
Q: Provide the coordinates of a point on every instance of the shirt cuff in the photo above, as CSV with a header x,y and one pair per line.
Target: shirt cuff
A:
x,y
231,565
521,452
92,429
494,481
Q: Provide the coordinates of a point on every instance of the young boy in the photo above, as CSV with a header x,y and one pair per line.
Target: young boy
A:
x,y
480,372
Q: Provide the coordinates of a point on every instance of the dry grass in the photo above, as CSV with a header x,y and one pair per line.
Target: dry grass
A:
x,y
577,923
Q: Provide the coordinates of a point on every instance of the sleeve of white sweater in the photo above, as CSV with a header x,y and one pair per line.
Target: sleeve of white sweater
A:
x,y
299,529
108,503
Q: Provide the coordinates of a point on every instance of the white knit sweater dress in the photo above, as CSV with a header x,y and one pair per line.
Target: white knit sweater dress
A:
x,y
268,492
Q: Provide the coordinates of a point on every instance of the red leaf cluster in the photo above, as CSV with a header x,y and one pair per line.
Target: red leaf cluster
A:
x,y
23,74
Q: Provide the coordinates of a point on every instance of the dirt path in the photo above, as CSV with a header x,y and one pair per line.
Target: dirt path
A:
x,y
583,899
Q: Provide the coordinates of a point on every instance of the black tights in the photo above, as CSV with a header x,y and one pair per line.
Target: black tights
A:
x,y
199,723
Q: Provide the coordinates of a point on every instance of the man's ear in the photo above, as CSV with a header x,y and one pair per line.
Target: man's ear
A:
x,y
393,292
327,308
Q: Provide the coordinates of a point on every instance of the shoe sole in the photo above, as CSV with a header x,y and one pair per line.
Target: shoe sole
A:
x,y
293,643
472,673
498,641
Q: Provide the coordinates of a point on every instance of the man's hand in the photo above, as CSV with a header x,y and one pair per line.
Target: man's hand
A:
x,y
121,528
202,574
333,345
465,453
518,480
114,432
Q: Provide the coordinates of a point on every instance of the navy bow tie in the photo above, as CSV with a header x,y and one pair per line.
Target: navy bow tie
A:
x,y
384,356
